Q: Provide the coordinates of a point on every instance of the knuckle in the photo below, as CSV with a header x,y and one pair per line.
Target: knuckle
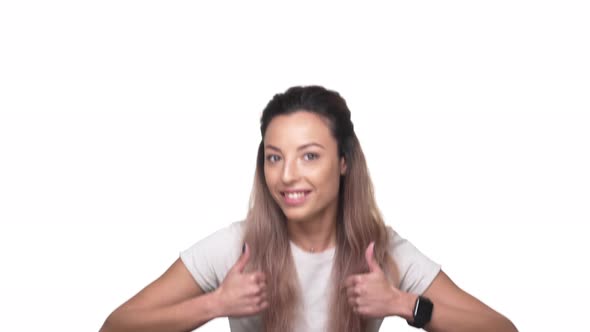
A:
x,y
358,290
254,290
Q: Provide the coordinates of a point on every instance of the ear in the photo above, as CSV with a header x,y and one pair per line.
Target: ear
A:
x,y
342,166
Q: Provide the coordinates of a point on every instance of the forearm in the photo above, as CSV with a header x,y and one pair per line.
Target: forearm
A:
x,y
447,318
184,316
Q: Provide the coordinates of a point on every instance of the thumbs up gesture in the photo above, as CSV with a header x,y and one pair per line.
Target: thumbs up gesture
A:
x,y
371,294
242,294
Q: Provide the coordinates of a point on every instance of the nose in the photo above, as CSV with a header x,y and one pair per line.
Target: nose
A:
x,y
290,172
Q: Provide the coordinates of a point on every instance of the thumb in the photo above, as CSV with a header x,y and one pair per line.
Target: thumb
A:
x,y
370,256
243,260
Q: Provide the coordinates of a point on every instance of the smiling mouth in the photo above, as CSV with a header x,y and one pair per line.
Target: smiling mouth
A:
x,y
294,198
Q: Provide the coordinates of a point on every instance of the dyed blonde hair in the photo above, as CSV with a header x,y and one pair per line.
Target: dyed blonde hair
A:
x,y
359,221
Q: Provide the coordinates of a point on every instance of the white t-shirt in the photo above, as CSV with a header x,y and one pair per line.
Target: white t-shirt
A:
x,y
210,259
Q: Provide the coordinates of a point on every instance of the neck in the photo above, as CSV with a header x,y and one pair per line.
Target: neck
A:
x,y
313,235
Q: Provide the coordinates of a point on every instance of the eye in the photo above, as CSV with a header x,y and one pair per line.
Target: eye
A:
x,y
273,158
310,156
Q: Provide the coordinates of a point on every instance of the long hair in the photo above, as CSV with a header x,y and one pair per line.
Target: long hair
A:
x,y
358,223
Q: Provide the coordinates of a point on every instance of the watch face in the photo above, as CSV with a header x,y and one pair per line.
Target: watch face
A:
x,y
422,312
425,308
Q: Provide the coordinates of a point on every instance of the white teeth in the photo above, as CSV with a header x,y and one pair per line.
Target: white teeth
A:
x,y
294,195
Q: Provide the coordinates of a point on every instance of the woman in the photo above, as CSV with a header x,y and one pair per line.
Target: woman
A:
x,y
313,253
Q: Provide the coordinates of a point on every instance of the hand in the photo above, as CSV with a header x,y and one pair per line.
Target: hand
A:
x,y
371,294
242,294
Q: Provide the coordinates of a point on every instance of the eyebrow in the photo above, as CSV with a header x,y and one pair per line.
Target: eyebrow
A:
x,y
304,146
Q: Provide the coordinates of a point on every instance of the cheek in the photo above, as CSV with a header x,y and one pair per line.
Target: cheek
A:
x,y
328,180
272,178
268,177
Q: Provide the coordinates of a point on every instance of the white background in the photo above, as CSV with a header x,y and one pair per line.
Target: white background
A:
x,y
128,131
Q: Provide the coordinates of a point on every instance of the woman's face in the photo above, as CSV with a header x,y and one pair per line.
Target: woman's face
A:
x,y
302,167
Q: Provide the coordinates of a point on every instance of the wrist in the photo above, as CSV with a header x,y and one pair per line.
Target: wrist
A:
x,y
213,304
407,303
422,312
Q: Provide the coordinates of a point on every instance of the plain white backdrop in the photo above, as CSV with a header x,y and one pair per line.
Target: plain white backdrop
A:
x,y
128,131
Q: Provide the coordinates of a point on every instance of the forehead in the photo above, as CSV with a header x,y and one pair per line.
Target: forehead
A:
x,y
298,128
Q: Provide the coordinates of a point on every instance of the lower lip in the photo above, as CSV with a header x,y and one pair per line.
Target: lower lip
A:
x,y
295,201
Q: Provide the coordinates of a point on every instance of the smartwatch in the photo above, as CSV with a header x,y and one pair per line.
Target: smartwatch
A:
x,y
422,312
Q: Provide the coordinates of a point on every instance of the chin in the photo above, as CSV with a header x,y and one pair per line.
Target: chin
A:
x,y
296,217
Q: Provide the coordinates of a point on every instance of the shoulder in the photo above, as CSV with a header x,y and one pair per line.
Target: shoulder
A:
x,y
399,246
231,232
416,269
211,257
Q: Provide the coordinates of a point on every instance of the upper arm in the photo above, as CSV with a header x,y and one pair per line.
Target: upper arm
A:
x,y
196,271
444,290
174,286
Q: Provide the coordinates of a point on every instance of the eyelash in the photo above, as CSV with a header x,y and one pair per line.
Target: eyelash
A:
x,y
270,157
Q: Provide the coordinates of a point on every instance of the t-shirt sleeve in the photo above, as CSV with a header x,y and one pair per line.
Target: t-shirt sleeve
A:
x,y
416,270
209,259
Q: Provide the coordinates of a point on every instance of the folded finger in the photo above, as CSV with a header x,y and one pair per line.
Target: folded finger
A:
x,y
349,282
350,292
260,277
